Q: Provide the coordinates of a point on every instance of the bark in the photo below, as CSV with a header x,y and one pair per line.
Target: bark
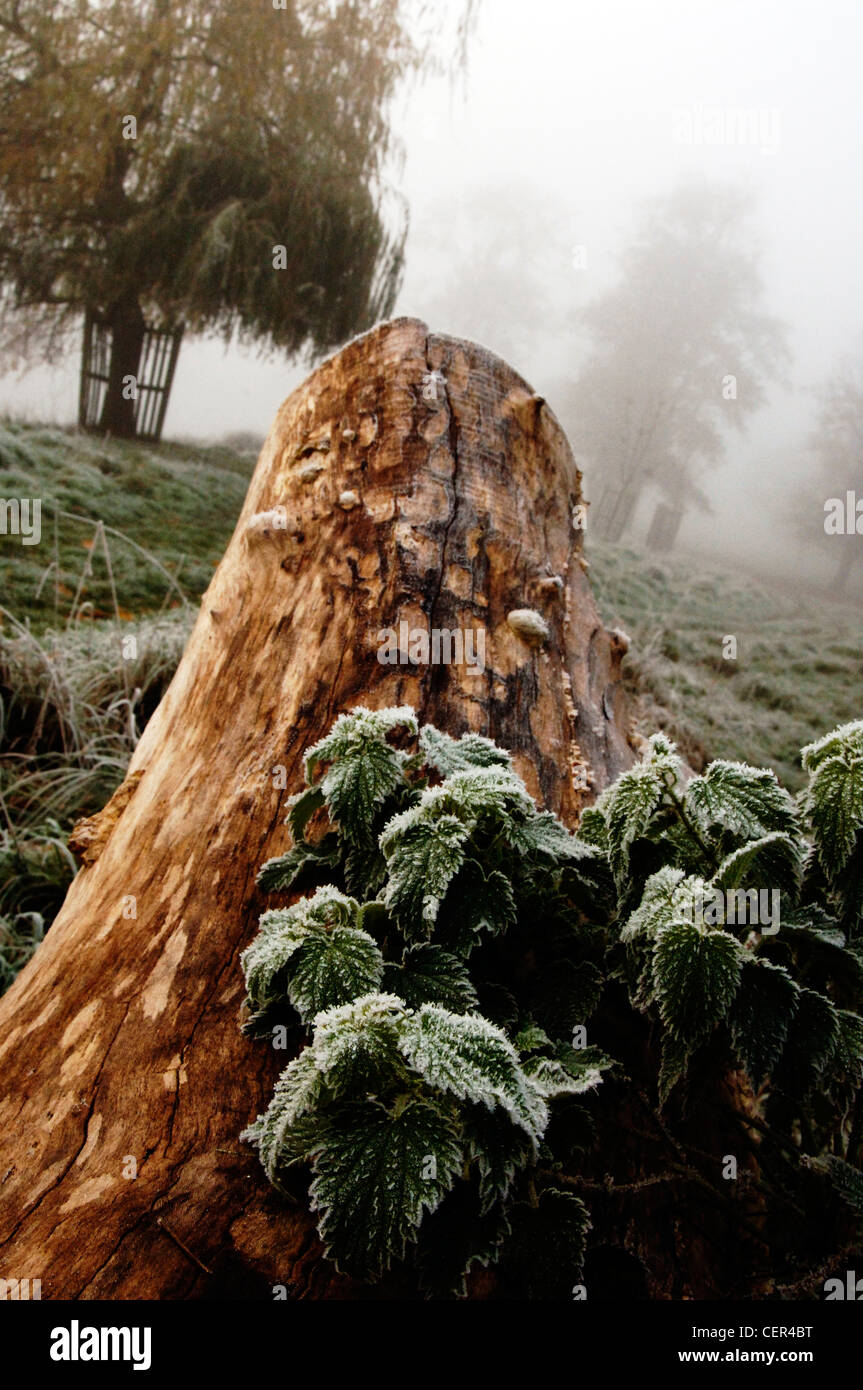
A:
x,y
127,340
382,494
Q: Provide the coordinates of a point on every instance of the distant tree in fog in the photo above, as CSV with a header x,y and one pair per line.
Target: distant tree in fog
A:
x,y
829,518
681,349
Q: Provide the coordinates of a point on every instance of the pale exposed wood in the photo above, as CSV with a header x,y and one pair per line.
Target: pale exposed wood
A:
x,y
378,497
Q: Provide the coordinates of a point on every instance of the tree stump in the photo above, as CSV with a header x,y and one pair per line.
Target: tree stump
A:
x,y
413,479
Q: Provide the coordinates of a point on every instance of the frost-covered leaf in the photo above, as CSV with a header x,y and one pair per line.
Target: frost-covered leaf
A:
x,y
477,793
552,1078
478,904
448,755
296,1093
660,904
696,974
431,975
364,769
592,827
629,805
833,803
301,807
545,836
280,874
356,1045
365,869
267,963
774,860
381,1169
333,968
761,1015
746,801
500,1150
422,861
844,742
472,1059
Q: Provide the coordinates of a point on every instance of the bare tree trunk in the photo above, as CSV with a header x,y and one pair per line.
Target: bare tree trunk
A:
x,y
413,477
127,340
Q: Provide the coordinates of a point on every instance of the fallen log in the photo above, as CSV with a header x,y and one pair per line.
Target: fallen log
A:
x,y
413,491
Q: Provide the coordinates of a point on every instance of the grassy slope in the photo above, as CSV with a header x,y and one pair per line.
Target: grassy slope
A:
x,y
799,656
178,502
72,706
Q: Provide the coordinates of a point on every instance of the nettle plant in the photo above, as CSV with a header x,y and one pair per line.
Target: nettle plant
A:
x,y
438,982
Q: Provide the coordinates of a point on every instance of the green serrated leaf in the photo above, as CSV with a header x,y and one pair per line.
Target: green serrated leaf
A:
x,y
696,974
301,807
277,1134
448,755
356,1045
847,1057
761,1015
365,869
382,1168
566,995
499,1149
477,904
431,975
844,742
775,859
592,827
473,1060
455,1238
543,836
531,1038
333,968
282,873
629,805
833,804
746,801
423,860
812,1040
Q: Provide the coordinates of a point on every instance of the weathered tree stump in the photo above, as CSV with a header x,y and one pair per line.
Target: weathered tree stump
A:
x,y
414,479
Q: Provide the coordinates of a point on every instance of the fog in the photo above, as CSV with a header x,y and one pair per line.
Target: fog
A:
x,y
568,117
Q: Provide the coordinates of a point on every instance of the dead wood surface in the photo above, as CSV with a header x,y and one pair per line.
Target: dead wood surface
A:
x,y
382,494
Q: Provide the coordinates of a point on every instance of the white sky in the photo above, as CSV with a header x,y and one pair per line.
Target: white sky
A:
x,y
570,106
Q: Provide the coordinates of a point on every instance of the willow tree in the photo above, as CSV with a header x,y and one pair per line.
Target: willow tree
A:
x,y
212,164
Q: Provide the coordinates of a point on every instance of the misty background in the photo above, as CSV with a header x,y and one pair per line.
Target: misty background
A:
x,y
525,182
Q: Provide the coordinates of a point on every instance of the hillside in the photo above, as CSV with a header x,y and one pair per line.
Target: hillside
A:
x,y
797,672
177,502
72,705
